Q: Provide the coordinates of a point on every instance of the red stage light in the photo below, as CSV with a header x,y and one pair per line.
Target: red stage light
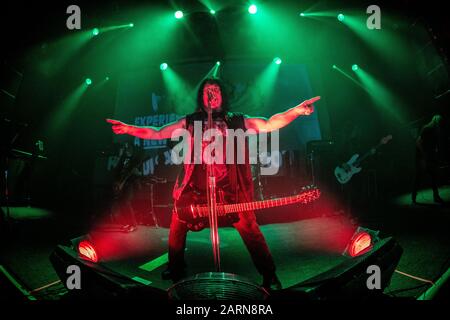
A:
x,y
360,244
87,251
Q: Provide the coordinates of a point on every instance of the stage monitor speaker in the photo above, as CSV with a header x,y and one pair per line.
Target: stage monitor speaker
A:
x,y
348,280
100,282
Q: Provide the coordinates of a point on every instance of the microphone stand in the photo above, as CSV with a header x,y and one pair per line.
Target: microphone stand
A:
x,y
211,196
6,193
7,217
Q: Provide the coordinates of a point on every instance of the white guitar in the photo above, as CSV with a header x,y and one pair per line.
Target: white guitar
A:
x,y
345,171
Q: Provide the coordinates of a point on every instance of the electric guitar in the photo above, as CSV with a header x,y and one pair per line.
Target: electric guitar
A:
x,y
195,214
345,171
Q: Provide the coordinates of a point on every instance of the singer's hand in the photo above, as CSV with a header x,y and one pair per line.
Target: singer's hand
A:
x,y
306,107
118,127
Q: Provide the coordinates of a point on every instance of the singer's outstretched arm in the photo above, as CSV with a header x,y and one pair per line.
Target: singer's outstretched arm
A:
x,y
151,133
280,120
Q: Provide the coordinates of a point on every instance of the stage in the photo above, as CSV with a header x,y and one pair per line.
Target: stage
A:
x,y
301,249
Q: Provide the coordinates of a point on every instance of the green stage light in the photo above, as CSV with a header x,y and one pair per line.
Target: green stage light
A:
x,y
302,14
95,31
334,66
355,67
277,60
163,66
212,11
107,78
341,17
131,25
218,63
252,9
88,81
179,14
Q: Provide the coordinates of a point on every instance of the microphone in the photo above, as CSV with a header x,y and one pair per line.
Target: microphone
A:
x,y
210,96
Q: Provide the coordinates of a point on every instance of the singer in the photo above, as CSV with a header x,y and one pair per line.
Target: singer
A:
x,y
233,180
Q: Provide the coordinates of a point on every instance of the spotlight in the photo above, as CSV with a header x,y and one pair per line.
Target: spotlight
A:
x,y
163,66
252,9
340,17
179,14
361,242
212,11
131,25
87,251
355,67
302,14
334,66
95,31
88,81
277,60
218,63
107,78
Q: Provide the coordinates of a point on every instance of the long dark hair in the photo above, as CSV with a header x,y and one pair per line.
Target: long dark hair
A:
x,y
221,85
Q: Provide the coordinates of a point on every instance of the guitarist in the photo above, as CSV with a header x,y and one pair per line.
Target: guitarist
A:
x,y
126,180
235,179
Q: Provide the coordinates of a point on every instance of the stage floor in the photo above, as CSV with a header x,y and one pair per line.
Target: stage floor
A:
x,y
301,250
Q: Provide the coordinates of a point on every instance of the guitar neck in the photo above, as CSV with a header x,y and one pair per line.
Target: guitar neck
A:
x,y
257,205
367,154
305,197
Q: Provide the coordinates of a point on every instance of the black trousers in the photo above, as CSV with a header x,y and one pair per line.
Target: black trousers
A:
x,y
425,168
122,210
249,231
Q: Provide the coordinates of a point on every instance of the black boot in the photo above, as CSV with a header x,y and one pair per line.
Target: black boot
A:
x,y
174,275
271,283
